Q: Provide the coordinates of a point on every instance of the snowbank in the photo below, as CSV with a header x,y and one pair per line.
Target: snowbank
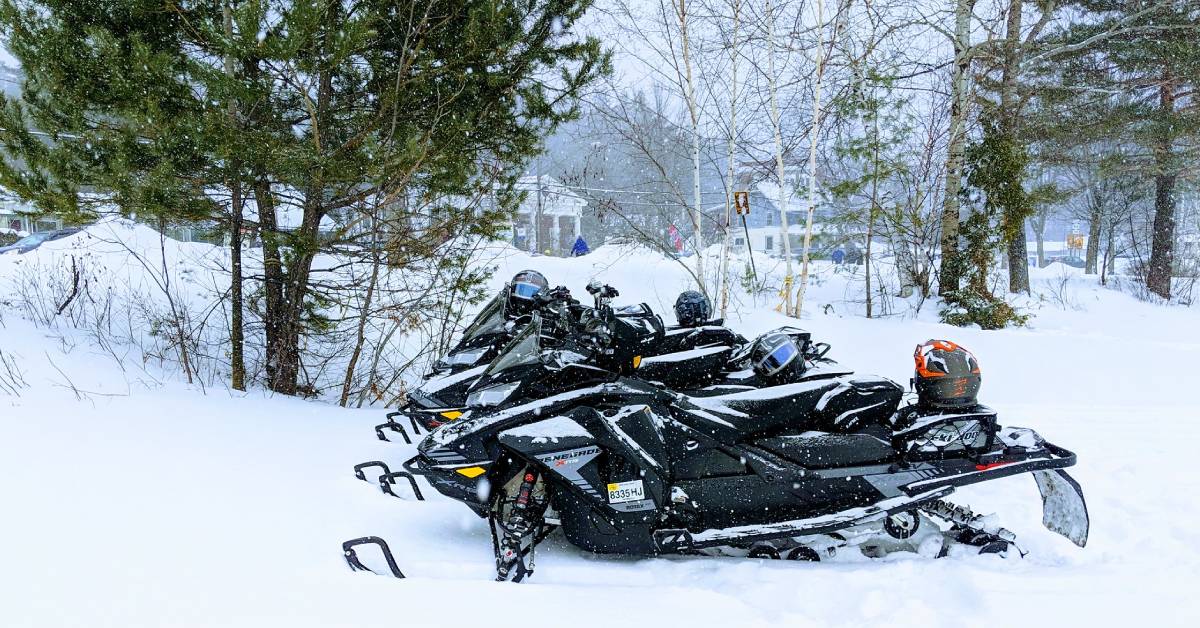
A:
x,y
132,499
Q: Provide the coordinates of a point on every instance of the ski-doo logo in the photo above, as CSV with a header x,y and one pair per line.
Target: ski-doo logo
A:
x,y
569,463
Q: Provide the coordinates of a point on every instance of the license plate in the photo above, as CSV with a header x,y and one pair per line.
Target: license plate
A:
x,y
621,492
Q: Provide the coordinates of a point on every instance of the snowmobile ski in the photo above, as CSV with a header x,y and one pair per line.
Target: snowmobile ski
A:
x,y
356,565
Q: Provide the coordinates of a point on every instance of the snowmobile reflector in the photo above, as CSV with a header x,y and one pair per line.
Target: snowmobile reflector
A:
x,y
471,472
451,414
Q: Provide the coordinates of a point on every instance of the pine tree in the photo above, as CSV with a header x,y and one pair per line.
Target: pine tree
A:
x,y
1125,76
317,104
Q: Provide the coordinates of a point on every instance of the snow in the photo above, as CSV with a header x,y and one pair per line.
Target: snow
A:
x,y
551,430
680,356
437,384
131,499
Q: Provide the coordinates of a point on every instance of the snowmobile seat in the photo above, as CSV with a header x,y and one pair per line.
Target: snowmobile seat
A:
x,y
820,450
843,403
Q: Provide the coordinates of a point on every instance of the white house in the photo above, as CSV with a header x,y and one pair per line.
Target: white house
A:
x,y
762,224
20,217
560,211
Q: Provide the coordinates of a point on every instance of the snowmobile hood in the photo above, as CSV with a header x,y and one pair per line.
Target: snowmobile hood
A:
x,y
479,420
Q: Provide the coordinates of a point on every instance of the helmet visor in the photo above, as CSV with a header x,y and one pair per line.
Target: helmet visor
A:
x,y
525,290
779,357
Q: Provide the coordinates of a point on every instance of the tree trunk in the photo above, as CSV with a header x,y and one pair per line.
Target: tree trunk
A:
x,y
733,94
365,311
1018,264
1162,254
1039,234
874,201
273,280
303,242
1105,266
785,240
237,370
814,134
1095,212
694,113
950,273
237,367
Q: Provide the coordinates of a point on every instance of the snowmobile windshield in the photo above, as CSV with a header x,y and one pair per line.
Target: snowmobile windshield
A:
x,y
490,319
525,290
780,357
525,348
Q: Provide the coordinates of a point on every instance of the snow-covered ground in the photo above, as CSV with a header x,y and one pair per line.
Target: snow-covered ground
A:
x,y
130,499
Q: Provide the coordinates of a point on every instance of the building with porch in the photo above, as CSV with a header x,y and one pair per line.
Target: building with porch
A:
x,y
763,223
556,211
21,218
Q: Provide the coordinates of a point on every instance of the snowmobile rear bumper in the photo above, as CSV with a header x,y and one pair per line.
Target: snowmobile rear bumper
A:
x,y
997,463
1064,509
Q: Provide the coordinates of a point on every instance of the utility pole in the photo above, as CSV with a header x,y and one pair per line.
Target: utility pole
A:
x,y
537,220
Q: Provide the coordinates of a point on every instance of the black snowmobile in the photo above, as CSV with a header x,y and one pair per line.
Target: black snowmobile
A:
x,y
560,436
683,358
442,395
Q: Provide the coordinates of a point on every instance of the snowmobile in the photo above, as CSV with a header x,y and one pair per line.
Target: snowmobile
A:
x,y
442,395
679,358
831,463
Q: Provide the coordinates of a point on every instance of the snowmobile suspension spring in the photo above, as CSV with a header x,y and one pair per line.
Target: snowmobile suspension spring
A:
x,y
963,516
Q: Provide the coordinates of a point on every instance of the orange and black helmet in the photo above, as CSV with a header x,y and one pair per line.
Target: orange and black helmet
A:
x,y
947,375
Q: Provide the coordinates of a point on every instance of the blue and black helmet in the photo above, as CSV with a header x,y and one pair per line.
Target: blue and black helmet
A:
x,y
772,353
527,284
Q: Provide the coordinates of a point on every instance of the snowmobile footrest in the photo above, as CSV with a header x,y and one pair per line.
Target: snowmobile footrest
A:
x,y
356,564
388,479
684,540
358,468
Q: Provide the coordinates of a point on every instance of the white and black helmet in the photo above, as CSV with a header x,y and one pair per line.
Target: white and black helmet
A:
x,y
692,309
772,353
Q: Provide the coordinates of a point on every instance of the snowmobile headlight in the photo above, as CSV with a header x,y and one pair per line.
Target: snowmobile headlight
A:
x,y
492,395
468,357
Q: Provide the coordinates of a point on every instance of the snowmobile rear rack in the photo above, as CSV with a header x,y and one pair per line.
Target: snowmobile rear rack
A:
x,y
388,479
356,564
358,468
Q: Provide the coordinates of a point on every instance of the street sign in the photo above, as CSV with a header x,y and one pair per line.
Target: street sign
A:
x,y
741,202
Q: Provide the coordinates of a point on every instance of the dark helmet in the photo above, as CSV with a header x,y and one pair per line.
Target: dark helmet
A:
x,y
692,309
523,289
947,375
773,353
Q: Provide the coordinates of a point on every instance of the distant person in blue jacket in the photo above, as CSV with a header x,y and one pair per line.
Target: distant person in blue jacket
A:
x,y
580,248
838,256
